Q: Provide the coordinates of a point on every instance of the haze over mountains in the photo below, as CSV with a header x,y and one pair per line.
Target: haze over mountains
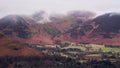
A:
x,y
103,29
71,40
76,26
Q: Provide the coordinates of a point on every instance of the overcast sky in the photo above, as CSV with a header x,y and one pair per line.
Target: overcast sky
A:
x,y
58,6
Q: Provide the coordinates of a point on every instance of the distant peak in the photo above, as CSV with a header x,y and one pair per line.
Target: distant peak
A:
x,y
113,14
11,16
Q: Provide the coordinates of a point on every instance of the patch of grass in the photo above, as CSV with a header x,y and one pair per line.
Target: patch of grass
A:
x,y
78,47
108,49
94,55
72,52
95,47
82,61
64,55
104,49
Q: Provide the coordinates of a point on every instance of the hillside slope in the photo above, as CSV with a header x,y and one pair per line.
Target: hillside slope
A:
x,y
24,28
12,47
103,29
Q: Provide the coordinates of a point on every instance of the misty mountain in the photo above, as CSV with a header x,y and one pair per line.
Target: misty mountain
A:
x,y
103,29
109,22
23,28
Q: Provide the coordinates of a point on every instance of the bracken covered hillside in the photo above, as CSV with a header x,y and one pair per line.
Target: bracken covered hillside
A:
x,y
12,47
24,28
104,29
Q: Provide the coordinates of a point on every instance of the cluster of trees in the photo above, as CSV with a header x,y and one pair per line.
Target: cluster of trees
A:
x,y
37,62
110,55
53,31
1,35
62,43
52,62
71,49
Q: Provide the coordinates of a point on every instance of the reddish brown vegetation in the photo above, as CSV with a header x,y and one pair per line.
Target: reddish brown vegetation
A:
x,y
11,47
102,30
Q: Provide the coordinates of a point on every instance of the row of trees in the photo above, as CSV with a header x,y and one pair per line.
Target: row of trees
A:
x,y
52,62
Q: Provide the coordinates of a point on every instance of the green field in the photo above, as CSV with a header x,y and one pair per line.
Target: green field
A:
x,y
93,55
95,48
108,49
78,47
